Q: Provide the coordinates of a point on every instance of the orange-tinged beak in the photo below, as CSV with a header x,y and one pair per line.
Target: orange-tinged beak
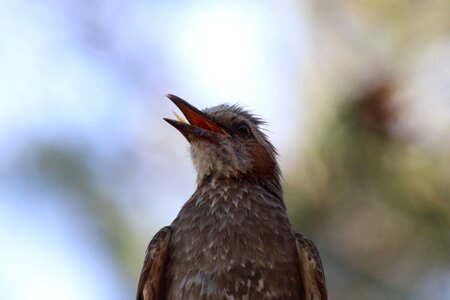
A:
x,y
195,117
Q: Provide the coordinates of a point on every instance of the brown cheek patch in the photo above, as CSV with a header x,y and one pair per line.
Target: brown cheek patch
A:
x,y
263,162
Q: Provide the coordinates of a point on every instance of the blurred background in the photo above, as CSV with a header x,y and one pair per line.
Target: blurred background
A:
x,y
356,94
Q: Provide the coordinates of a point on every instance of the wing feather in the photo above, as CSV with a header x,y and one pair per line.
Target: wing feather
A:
x,y
151,282
311,269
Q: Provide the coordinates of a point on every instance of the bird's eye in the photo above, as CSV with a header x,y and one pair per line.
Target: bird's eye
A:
x,y
244,130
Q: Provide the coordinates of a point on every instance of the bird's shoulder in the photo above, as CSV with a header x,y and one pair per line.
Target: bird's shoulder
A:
x,y
312,273
151,281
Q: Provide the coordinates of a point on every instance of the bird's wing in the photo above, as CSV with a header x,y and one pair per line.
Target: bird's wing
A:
x,y
311,269
151,283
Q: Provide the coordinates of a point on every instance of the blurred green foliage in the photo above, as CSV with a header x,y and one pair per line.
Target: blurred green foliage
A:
x,y
375,199
378,207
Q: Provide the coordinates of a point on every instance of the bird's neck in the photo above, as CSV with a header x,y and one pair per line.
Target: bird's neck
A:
x,y
271,186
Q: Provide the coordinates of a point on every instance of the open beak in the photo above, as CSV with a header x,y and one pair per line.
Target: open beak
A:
x,y
198,125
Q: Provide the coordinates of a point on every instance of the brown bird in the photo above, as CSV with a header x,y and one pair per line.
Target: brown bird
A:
x,y
232,239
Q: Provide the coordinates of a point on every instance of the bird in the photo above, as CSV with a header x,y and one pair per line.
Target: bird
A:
x,y
232,239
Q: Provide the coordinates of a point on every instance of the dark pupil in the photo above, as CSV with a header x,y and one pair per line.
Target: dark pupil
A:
x,y
243,129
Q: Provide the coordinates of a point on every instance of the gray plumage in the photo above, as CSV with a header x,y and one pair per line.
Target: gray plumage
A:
x,y
232,239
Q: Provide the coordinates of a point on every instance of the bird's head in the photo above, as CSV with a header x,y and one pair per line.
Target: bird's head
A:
x,y
226,142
